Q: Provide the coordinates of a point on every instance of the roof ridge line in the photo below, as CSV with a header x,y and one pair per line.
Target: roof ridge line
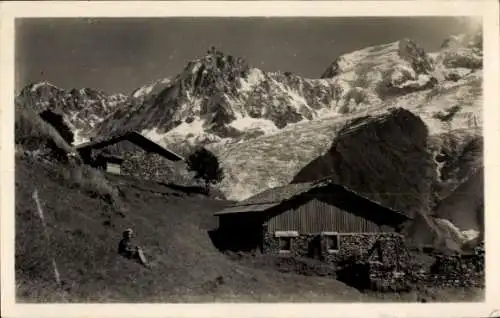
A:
x,y
318,184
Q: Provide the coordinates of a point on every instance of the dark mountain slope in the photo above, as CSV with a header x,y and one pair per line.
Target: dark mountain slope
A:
x,y
464,206
392,159
384,157
458,155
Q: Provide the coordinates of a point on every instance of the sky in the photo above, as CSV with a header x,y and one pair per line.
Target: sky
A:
x,y
118,55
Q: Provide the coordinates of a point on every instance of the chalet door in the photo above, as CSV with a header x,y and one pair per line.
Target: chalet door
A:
x,y
315,248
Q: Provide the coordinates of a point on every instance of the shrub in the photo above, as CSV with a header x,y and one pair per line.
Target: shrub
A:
x,y
206,166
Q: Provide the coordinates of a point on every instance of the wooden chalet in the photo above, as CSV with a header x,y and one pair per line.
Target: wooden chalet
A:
x,y
306,218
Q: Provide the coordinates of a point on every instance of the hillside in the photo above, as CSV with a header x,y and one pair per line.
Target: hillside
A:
x,y
464,206
85,226
172,228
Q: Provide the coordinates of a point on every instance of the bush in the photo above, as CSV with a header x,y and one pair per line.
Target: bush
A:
x,y
206,166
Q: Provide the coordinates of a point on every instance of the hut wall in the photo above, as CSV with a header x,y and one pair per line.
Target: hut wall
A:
x,y
144,165
348,246
318,215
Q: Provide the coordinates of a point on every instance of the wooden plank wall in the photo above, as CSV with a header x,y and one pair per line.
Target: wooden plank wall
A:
x,y
316,216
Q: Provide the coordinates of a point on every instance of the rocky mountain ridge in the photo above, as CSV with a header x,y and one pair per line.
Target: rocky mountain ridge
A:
x,y
283,121
220,97
82,108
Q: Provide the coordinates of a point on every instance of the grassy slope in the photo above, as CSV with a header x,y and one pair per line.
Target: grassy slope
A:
x,y
172,228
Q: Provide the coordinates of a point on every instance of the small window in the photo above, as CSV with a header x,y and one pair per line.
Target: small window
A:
x,y
332,242
113,168
285,240
285,244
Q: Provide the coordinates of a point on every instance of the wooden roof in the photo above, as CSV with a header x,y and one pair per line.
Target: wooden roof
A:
x,y
135,138
275,196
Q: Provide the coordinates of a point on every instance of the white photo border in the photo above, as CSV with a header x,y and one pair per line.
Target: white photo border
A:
x,y
487,10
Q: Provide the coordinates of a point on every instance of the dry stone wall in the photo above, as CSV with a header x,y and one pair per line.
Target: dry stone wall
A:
x,y
378,261
151,166
350,246
147,165
459,270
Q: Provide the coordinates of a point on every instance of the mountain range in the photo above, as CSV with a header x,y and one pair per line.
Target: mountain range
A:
x,y
272,128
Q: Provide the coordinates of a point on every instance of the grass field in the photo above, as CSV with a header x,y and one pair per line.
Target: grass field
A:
x,y
84,230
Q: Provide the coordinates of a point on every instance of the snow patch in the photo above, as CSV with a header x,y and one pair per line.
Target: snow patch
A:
x,y
463,236
255,76
249,123
38,85
195,127
153,134
145,90
78,138
470,235
420,81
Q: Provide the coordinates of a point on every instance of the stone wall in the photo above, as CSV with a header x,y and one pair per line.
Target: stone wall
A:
x,y
350,246
147,165
459,270
151,166
380,261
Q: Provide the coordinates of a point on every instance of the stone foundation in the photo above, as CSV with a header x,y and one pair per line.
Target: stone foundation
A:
x,y
350,246
378,261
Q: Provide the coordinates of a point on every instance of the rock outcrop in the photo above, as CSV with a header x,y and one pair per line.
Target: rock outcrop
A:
x,y
384,157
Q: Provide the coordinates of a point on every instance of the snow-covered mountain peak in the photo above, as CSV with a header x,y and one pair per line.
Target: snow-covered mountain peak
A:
x,y
151,88
219,98
404,51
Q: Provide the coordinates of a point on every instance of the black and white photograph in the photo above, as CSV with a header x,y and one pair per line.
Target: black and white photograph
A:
x,y
249,159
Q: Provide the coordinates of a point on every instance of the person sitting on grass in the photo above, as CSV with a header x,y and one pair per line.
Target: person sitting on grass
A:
x,y
128,250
